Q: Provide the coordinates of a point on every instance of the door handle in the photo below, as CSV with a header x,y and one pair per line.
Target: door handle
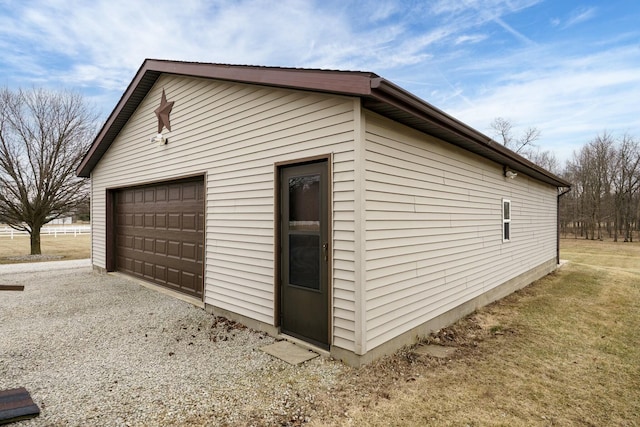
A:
x,y
325,251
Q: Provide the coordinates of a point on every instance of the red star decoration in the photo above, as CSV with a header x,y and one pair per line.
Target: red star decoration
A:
x,y
162,112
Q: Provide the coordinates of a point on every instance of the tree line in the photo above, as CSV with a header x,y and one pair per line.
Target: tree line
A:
x,y
604,199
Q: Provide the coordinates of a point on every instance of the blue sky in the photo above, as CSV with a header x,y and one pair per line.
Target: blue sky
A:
x,y
569,68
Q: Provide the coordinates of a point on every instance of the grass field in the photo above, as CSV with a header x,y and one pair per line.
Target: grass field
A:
x,y
564,351
66,246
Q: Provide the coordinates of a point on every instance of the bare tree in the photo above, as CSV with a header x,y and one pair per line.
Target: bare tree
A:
x,y
43,136
591,173
504,129
524,144
545,159
596,159
626,185
571,212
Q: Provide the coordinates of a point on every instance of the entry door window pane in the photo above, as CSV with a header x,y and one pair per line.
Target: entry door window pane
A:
x,y
304,260
304,203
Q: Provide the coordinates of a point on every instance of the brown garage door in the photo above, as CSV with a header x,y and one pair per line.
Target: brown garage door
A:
x,y
159,234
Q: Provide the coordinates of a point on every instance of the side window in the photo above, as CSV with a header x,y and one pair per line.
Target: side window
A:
x,y
506,220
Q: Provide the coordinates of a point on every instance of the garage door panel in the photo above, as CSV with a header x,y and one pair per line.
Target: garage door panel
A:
x,y
173,249
161,273
161,220
173,221
189,221
174,193
161,247
161,194
137,266
124,197
160,234
138,243
150,245
189,251
173,276
189,192
149,270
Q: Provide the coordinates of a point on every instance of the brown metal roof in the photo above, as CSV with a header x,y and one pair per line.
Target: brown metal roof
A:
x,y
377,94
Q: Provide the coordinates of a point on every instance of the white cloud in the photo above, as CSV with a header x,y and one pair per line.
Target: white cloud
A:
x,y
499,7
470,38
511,30
570,101
382,10
579,16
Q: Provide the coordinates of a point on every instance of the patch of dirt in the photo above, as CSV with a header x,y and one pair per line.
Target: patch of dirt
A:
x,y
222,329
367,386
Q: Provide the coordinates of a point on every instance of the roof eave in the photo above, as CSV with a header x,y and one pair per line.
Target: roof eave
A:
x,y
351,83
132,97
457,132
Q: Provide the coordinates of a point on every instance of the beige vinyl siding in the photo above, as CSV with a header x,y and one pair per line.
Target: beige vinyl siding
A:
x,y
343,251
97,203
434,228
234,134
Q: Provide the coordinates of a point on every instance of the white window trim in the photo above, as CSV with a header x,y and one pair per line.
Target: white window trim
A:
x,y
506,220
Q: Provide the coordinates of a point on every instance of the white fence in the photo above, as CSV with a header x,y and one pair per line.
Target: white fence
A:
x,y
48,230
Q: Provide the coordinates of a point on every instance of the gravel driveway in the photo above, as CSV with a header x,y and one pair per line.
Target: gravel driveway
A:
x,y
96,349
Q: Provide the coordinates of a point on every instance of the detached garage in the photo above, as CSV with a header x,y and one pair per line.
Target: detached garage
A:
x,y
332,207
